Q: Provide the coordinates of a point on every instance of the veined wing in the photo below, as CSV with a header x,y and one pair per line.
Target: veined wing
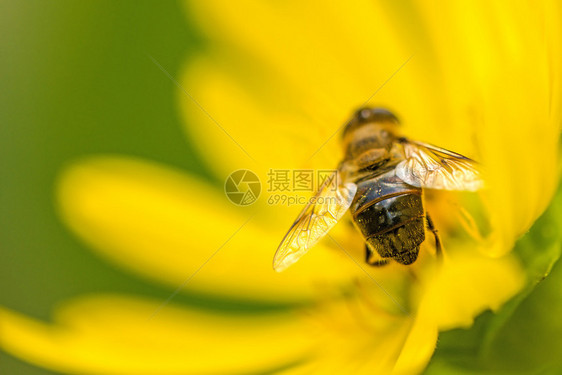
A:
x,y
320,215
428,166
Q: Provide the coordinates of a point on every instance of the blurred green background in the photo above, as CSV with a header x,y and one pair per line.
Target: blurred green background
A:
x,y
76,80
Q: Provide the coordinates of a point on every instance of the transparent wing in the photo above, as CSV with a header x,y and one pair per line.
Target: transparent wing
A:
x,y
428,166
323,211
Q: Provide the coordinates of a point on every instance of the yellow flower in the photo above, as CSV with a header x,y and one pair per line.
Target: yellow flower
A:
x,y
480,79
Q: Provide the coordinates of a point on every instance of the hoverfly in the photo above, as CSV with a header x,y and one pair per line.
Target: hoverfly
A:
x,y
380,182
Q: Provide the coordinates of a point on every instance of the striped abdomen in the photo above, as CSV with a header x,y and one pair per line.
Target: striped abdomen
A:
x,y
390,215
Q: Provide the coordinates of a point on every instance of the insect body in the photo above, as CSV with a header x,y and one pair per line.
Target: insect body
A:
x,y
389,213
380,182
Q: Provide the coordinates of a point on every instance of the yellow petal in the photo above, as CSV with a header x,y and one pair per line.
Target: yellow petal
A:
x,y
465,284
310,46
273,137
179,230
500,70
112,334
280,98
418,347
116,335
361,340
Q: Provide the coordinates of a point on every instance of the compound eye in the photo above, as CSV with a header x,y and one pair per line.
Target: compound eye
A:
x,y
367,114
364,114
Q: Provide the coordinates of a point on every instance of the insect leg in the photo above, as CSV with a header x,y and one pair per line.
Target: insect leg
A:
x,y
372,262
431,227
380,263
